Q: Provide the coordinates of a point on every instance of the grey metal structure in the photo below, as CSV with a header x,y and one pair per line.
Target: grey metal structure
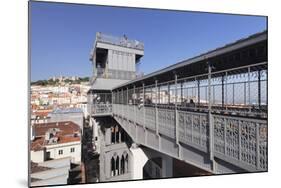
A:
x,y
114,60
209,111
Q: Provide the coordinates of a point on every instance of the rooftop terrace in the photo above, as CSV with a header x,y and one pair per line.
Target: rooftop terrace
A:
x,y
120,41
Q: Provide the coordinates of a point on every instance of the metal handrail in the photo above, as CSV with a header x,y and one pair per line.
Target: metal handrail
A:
x,y
195,133
120,41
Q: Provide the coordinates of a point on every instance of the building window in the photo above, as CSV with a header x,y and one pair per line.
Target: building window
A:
x,y
112,135
60,152
117,166
72,150
112,167
117,134
122,164
126,164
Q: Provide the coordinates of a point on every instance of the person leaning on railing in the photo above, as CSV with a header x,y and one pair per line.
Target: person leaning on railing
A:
x,y
191,103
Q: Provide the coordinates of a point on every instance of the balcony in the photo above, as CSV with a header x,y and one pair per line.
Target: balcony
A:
x,y
101,109
120,41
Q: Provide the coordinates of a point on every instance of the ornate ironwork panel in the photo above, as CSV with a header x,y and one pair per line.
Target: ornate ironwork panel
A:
x,y
140,116
232,137
242,139
263,146
196,129
219,134
166,120
248,142
193,128
181,116
150,117
102,108
131,113
204,130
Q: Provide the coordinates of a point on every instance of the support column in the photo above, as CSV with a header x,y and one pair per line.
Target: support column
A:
x,y
138,160
226,90
222,89
249,88
233,94
176,110
198,92
156,109
210,117
127,110
156,114
167,167
122,102
145,134
169,93
245,93
181,93
143,102
177,118
259,89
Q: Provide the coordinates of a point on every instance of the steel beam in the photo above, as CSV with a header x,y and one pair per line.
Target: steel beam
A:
x,y
259,89
156,109
222,89
211,126
249,88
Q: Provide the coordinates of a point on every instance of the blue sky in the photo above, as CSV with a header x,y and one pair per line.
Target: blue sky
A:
x,y
62,35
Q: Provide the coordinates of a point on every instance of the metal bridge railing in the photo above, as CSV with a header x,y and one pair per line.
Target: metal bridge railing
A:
x,y
114,74
239,140
223,113
120,41
98,109
193,128
238,91
242,139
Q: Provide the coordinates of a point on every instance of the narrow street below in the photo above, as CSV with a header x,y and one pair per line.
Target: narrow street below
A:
x,y
89,157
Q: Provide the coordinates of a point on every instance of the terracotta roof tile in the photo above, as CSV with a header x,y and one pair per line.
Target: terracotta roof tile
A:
x,y
67,133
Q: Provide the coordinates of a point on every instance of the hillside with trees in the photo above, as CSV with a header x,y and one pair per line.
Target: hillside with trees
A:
x,y
52,82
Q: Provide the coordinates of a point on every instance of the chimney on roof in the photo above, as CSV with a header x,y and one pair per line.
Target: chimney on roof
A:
x,y
47,136
32,136
50,136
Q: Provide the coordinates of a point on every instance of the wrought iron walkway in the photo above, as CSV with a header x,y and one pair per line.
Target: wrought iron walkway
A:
x,y
210,111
